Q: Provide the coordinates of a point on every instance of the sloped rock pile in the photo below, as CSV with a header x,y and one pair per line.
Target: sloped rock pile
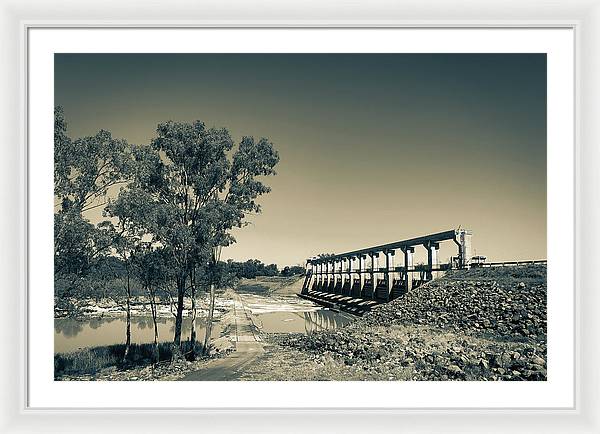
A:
x,y
509,301
479,324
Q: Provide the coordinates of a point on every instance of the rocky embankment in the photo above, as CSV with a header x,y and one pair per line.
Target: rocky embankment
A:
x,y
478,324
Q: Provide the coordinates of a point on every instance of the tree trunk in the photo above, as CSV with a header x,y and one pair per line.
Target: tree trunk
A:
x,y
154,315
128,330
194,315
209,320
178,319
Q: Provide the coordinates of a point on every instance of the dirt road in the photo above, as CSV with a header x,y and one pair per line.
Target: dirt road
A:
x,y
248,348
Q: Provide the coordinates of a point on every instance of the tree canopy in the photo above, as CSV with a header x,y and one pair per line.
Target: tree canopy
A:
x,y
170,205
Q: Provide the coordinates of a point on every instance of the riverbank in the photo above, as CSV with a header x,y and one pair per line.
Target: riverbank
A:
x,y
115,307
80,308
247,317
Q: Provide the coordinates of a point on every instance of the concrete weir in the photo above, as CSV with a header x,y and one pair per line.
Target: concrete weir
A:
x,y
349,279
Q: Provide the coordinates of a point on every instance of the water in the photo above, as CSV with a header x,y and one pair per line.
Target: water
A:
x,y
71,334
269,314
300,322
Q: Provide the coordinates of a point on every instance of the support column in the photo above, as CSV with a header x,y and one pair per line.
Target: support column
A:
x,y
389,275
333,276
361,273
338,277
432,259
330,275
374,266
350,277
307,277
322,275
319,266
409,253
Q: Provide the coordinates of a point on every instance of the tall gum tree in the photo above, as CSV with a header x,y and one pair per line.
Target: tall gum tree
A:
x,y
201,188
84,171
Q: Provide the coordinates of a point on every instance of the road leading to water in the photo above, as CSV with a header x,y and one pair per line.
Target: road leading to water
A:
x,y
248,347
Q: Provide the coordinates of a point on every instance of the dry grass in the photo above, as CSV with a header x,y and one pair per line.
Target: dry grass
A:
x,y
95,359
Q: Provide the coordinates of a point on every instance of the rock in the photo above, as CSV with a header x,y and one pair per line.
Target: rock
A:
x,y
454,369
536,360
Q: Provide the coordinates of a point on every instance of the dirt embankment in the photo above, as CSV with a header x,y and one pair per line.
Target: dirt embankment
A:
x,y
478,324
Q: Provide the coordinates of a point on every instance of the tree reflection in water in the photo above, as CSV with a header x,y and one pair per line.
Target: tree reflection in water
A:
x,y
71,334
323,320
68,327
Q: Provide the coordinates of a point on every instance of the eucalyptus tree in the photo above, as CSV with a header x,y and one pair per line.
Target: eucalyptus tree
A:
x,y
85,169
201,188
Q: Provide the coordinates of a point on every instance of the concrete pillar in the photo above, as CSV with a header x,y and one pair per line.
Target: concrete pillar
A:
x,y
389,275
333,275
320,275
361,272
350,276
465,253
432,259
340,268
374,274
409,253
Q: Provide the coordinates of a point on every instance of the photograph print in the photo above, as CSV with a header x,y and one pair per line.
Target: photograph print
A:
x,y
300,217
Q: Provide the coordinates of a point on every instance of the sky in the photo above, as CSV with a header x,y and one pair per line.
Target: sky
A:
x,y
374,148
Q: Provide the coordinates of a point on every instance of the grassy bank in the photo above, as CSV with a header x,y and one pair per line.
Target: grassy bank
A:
x,y
90,361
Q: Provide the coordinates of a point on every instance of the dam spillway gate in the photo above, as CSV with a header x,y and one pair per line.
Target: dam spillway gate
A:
x,y
358,275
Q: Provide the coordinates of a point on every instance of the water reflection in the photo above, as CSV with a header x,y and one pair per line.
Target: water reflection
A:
x,y
68,328
324,320
71,334
300,322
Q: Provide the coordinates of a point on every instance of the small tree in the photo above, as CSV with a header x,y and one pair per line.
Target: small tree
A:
x,y
132,209
151,266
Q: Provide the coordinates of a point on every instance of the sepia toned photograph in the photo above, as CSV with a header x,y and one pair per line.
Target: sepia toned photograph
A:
x,y
300,217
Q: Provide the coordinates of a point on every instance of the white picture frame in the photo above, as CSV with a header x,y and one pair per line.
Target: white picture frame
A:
x,y
18,18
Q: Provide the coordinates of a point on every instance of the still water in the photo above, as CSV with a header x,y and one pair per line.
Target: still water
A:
x,y
71,334
300,322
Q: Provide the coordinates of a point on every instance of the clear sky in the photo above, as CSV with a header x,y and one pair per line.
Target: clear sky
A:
x,y
374,148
